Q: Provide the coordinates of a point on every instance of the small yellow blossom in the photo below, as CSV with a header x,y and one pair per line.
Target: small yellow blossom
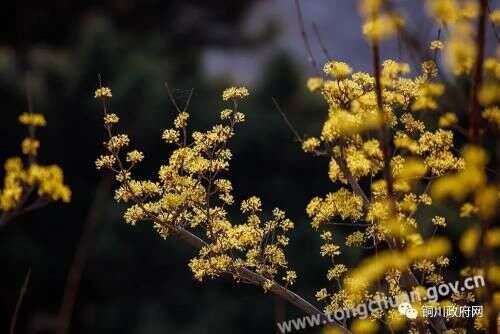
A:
x,y
111,119
495,16
467,210
439,221
436,45
117,142
252,205
321,294
181,120
364,326
103,92
135,156
171,136
30,146
234,93
492,115
382,27
310,144
32,119
291,277
447,120
106,161
313,84
337,69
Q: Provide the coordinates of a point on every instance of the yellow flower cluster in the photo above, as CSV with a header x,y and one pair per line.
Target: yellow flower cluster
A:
x,y
191,193
21,180
472,180
342,203
103,92
233,93
32,119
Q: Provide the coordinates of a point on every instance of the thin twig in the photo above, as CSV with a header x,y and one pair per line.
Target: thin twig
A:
x,y
474,112
288,123
257,279
82,252
22,292
493,26
320,42
384,133
305,39
172,98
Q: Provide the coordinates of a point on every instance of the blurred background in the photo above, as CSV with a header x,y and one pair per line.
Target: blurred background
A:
x,y
133,281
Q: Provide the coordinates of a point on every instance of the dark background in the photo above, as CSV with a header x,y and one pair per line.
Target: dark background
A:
x,y
135,282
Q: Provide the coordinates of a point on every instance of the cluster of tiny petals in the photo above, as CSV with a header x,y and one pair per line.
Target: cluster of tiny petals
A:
x,y
105,161
118,142
337,69
103,92
134,156
29,146
233,93
436,45
171,136
111,118
32,119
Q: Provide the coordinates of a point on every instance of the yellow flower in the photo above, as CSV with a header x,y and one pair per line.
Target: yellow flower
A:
x,y
106,161
337,69
310,144
467,210
446,11
234,93
469,241
313,84
135,156
103,92
382,27
448,120
32,119
30,146
436,45
181,120
111,119
364,326
439,221
171,136
495,16
252,205
492,115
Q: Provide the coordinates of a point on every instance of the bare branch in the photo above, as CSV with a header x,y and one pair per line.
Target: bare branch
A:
x,y
288,123
82,251
22,292
257,279
477,80
320,42
305,39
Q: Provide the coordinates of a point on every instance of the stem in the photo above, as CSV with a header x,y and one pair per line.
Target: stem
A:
x,y
257,279
84,246
384,133
22,292
474,112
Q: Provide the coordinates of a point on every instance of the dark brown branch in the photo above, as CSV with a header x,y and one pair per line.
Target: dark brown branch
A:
x,y
320,42
305,39
22,292
288,123
82,252
257,279
385,131
477,80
